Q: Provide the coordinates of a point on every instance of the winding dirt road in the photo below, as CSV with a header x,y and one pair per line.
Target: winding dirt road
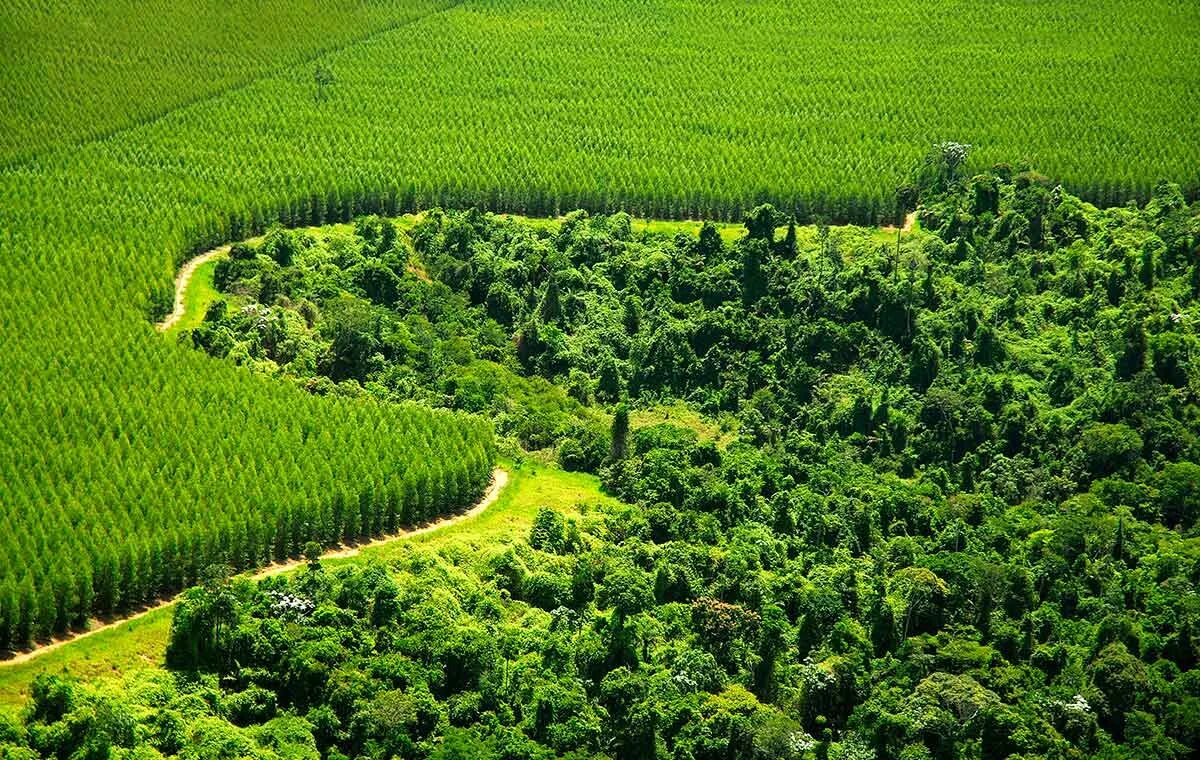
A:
x,y
499,480
181,282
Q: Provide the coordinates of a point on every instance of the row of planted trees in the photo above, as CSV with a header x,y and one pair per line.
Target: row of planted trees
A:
x,y
115,436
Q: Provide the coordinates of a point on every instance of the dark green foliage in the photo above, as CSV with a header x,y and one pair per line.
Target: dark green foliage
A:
x,y
1108,449
132,139
620,433
351,321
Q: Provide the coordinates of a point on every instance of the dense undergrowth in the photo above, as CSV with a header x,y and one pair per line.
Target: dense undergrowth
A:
x,y
960,517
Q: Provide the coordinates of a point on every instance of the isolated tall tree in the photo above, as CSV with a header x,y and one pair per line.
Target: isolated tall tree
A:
x,y
907,196
323,77
754,276
761,223
1133,358
551,309
620,433
786,247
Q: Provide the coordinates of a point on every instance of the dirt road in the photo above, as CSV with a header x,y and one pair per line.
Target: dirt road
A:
x,y
181,282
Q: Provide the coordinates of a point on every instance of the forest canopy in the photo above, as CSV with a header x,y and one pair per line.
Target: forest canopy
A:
x,y
778,487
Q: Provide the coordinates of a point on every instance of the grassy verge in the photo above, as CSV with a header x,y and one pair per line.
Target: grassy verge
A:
x,y
198,296
531,485
730,232
140,643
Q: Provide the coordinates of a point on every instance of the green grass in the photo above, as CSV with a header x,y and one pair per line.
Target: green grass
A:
x,y
531,485
729,231
135,644
197,297
140,643
722,432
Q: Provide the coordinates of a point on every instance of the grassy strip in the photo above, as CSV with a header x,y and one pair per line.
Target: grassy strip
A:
x,y
199,295
139,643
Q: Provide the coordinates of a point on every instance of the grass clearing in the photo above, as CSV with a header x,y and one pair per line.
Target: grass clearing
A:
x,y
729,231
531,485
722,431
139,643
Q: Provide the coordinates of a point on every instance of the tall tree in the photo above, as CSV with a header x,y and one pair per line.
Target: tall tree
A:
x,y
620,433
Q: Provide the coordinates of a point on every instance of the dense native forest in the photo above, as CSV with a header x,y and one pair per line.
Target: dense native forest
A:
x,y
960,516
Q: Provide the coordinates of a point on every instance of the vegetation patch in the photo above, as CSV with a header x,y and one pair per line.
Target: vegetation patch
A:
x,y
867,492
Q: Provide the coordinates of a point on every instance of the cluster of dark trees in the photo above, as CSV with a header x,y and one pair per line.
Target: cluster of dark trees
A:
x,y
960,516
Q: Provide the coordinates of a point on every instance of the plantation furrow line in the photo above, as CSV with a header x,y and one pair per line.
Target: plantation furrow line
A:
x,y
499,481
23,160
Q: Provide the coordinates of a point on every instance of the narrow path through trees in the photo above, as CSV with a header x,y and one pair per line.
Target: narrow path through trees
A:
x,y
181,284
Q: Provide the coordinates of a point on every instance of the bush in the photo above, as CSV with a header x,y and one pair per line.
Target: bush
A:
x,y
254,705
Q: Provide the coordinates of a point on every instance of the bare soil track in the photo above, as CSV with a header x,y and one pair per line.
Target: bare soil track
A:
x,y
499,480
909,220
181,283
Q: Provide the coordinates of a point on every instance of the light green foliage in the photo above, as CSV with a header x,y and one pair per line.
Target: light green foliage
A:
x,y
74,71
198,297
130,460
